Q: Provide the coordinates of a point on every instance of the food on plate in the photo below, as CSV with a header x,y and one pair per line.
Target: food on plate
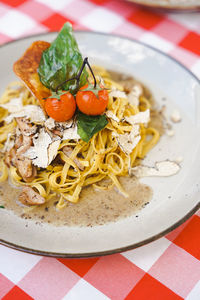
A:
x,y
69,125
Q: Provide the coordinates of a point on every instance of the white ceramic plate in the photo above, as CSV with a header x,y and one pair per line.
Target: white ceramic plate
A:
x,y
175,198
170,5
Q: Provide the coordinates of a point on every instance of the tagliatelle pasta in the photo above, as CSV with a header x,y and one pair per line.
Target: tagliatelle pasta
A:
x,y
105,157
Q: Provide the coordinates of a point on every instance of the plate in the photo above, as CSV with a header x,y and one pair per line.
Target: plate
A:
x,y
175,198
170,5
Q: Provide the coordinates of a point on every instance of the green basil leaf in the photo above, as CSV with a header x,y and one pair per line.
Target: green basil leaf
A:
x,y
1,206
61,61
89,125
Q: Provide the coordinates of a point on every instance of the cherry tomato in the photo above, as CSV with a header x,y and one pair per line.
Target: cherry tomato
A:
x,y
61,109
90,104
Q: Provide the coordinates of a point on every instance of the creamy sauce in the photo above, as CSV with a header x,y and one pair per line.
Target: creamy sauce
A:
x,y
96,207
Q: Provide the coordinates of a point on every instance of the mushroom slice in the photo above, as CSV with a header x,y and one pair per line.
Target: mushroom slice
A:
x,y
25,168
162,169
29,197
26,69
25,126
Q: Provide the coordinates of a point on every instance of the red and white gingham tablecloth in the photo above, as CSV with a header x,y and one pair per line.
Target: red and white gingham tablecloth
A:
x,y
168,268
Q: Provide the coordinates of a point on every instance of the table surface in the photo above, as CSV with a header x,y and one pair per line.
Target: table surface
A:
x,y
168,268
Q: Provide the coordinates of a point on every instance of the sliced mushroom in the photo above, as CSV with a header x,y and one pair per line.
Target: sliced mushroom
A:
x,y
10,157
26,144
29,197
25,126
25,168
19,141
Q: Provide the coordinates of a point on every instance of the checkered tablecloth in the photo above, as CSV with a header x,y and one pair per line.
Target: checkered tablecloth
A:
x,y
168,268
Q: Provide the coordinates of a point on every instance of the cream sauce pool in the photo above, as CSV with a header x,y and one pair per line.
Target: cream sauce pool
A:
x,y
96,207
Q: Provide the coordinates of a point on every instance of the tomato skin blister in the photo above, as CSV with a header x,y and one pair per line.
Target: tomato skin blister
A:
x,y
90,103
61,108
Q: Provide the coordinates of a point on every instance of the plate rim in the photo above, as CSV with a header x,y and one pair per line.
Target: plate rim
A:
x,y
167,7
128,247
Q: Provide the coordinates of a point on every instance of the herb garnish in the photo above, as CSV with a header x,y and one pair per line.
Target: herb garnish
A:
x,y
63,69
62,60
89,125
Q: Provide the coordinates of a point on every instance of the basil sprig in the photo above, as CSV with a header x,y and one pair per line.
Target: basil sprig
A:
x,y
62,60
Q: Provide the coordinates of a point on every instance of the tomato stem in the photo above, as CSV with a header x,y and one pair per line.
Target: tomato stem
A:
x,y
95,82
77,78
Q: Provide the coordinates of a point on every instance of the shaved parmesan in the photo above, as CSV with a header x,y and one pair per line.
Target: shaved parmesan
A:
x,y
44,150
50,123
128,141
162,169
117,94
32,112
71,133
14,105
9,143
53,150
175,116
170,132
141,117
135,94
65,125
110,115
179,159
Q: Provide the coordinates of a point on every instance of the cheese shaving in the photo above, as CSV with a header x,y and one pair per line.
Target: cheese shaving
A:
x,y
71,133
161,169
117,94
53,150
40,154
134,95
142,117
13,106
175,116
50,123
112,116
32,112
128,141
9,143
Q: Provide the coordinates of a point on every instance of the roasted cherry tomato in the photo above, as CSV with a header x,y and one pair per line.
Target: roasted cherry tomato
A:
x,y
92,102
61,108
